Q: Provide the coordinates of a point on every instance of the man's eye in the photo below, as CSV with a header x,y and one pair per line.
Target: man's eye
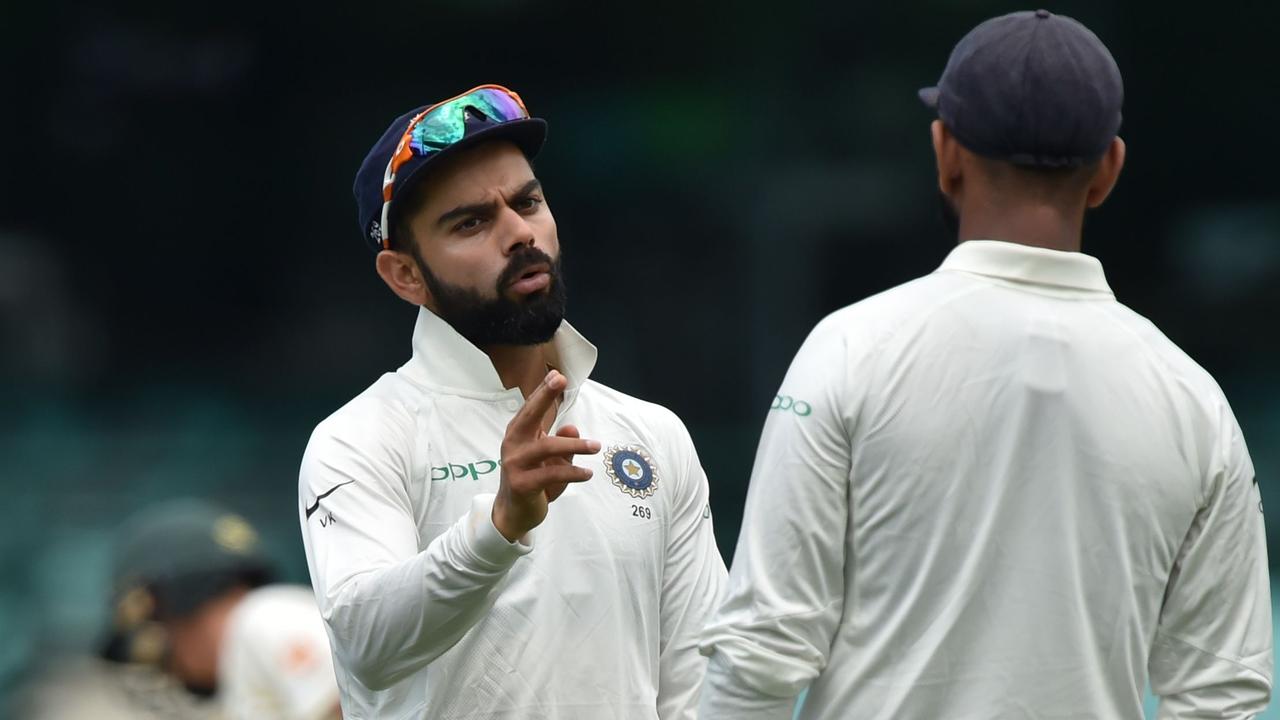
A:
x,y
468,224
528,203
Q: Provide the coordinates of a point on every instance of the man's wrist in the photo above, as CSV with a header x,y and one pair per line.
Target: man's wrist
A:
x,y
486,541
501,521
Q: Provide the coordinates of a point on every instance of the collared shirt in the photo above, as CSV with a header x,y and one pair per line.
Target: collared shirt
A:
x,y
432,614
995,492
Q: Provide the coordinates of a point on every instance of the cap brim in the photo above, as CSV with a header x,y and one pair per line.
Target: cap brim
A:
x,y
528,135
929,96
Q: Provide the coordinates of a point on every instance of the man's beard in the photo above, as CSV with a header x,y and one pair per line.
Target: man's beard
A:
x,y
530,320
950,216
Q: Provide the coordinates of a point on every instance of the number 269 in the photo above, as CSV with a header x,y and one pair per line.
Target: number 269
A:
x,y
642,512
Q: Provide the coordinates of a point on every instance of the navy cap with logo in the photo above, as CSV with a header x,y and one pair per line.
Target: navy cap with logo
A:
x,y
425,134
1031,88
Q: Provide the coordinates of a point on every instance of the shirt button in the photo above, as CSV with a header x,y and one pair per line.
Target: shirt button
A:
x,y
513,405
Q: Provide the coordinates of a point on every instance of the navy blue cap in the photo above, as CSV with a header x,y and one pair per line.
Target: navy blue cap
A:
x,y
527,134
1031,88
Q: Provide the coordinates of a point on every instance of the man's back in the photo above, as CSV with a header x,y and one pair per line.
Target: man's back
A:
x,y
1020,465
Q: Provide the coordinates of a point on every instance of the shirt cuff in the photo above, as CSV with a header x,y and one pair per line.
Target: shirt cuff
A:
x,y
484,540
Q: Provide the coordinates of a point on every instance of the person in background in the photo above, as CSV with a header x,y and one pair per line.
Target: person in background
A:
x,y
197,630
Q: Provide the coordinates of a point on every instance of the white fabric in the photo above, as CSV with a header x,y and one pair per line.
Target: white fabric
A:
x,y
995,492
275,662
724,696
432,613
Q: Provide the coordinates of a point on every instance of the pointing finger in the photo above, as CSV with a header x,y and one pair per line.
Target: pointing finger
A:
x,y
528,419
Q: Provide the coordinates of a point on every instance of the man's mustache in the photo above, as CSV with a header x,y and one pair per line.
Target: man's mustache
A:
x,y
522,261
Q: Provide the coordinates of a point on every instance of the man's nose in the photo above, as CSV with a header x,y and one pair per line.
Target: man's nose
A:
x,y
516,231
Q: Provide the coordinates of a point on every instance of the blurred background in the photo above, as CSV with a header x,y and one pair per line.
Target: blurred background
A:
x,y
184,292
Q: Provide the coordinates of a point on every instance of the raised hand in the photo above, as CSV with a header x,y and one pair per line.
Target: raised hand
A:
x,y
536,467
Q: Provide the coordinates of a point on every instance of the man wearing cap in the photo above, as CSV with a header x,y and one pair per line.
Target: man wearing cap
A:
x,y
995,492
196,630
491,534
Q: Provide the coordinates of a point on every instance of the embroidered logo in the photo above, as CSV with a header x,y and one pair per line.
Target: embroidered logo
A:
x,y
632,470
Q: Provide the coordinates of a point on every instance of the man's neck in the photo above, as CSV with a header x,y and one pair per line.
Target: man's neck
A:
x,y
522,366
1042,226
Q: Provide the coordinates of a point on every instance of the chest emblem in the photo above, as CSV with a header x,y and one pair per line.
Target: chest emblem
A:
x,y
632,470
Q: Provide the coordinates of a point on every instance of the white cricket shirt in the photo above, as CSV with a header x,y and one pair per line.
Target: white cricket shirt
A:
x,y
275,662
995,492
433,614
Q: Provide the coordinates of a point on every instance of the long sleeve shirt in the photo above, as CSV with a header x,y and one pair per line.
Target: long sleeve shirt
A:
x,y
996,492
593,615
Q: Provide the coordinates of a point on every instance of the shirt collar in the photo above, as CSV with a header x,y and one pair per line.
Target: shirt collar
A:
x,y
444,359
1025,264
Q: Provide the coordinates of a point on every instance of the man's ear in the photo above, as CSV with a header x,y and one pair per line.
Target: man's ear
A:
x,y
947,152
1104,180
399,271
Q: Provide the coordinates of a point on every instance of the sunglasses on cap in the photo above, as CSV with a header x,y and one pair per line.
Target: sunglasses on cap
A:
x,y
444,124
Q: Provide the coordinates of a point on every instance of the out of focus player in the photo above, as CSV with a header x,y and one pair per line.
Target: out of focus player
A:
x,y
197,632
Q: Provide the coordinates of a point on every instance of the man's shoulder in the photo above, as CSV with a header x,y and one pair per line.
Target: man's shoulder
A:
x,y
655,423
908,299
1150,338
864,323
384,408
603,398
279,602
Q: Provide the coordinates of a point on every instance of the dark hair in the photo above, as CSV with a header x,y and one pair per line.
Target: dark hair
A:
x,y
407,204
1037,180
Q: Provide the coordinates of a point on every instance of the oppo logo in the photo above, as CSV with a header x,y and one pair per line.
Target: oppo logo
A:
x,y
471,470
786,403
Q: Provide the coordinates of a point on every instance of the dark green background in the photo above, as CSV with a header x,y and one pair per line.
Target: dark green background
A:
x,y
184,293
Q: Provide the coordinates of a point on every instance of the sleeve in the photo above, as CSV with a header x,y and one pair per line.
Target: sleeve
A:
x,y
692,576
724,696
1212,654
771,635
391,606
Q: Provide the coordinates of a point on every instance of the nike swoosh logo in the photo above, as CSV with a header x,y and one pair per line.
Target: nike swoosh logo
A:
x,y
331,490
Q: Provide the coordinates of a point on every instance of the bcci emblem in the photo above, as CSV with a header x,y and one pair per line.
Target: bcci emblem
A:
x,y
632,470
